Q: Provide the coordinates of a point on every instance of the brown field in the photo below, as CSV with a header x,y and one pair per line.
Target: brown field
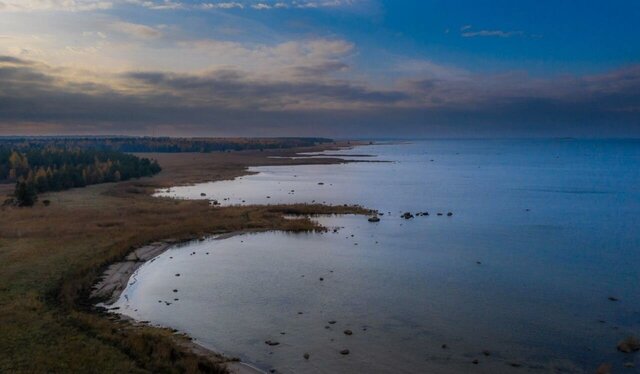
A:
x,y
51,256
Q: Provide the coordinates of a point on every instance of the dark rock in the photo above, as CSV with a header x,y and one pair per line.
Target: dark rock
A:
x,y
177,274
332,322
407,215
271,343
604,369
306,356
439,214
449,214
344,352
612,298
475,362
444,346
203,194
321,279
348,332
175,290
629,345
486,353
374,219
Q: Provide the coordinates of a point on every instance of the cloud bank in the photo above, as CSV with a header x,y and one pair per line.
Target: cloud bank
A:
x,y
236,102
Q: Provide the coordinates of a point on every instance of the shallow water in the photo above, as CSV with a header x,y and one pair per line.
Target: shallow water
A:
x,y
542,233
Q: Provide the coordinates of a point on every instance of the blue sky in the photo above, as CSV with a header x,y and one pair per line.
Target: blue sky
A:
x,y
320,67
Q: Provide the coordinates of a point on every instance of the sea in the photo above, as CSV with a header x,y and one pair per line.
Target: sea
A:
x,y
522,256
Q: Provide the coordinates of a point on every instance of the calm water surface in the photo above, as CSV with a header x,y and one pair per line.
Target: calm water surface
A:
x,y
542,234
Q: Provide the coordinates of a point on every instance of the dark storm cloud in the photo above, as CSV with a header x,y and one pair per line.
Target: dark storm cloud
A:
x,y
231,102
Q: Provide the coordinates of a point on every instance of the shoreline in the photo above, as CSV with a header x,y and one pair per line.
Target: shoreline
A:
x,y
115,277
118,275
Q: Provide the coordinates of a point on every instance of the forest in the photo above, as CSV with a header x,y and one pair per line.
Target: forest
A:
x,y
40,168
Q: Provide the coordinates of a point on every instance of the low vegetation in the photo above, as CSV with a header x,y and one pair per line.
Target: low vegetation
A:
x,y
52,254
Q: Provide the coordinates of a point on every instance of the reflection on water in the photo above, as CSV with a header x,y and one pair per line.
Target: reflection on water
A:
x,y
518,278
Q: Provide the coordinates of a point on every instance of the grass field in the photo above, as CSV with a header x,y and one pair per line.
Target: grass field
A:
x,y
51,256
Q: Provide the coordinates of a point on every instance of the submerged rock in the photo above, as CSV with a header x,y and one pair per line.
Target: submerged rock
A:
x,y
629,345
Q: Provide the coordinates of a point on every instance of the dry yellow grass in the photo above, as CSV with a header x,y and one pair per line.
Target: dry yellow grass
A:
x,y
50,257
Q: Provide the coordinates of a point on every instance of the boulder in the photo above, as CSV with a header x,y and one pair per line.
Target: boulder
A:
x,y
629,345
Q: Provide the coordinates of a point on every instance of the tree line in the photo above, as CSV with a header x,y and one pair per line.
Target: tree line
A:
x,y
161,144
36,169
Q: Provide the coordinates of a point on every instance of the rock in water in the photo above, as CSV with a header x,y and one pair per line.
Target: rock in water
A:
x,y
407,215
344,352
374,219
629,345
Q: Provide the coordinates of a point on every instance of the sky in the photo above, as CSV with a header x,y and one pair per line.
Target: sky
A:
x,y
335,68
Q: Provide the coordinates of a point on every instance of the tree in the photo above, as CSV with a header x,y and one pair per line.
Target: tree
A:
x,y
25,193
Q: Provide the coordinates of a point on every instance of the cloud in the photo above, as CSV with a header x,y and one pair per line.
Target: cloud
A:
x,y
465,32
236,102
321,56
222,5
53,5
136,30
158,4
245,4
